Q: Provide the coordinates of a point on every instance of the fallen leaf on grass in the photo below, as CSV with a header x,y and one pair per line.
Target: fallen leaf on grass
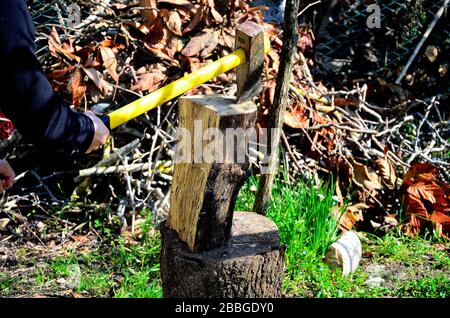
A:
x,y
426,199
352,215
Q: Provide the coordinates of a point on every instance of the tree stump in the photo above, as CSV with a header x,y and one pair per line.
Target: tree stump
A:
x,y
250,264
207,249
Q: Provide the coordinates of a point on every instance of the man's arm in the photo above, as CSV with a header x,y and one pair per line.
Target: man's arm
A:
x,y
26,96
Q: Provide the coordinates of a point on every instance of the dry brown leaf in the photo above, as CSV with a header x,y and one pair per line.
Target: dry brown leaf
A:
x,y
90,63
195,20
296,117
205,41
77,87
156,32
149,15
4,222
352,215
194,63
182,3
148,81
426,199
109,62
216,15
387,172
56,48
119,6
365,176
97,79
275,60
212,43
163,52
226,39
173,23
55,74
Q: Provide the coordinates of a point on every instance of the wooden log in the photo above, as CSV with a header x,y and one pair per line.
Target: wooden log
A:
x,y
345,253
206,183
251,264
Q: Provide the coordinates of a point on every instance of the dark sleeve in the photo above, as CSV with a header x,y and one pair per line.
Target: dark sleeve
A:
x,y
26,96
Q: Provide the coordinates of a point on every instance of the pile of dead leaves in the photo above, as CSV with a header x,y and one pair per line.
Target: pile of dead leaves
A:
x,y
79,69
422,196
167,37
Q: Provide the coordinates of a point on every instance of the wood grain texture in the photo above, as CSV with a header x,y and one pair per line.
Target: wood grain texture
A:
x,y
203,194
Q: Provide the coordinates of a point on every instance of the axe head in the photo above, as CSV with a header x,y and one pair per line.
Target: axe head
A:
x,y
250,38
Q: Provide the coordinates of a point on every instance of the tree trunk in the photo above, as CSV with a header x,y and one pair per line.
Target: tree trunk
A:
x,y
279,104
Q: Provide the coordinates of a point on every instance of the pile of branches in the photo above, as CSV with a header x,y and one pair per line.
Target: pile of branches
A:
x,y
119,52
379,144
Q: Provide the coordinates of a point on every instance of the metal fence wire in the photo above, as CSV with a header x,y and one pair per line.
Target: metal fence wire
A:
x,y
341,29
342,33
402,25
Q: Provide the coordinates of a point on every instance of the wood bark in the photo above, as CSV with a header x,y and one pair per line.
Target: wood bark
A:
x,y
290,36
251,264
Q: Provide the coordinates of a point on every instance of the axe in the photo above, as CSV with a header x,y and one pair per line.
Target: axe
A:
x,y
251,45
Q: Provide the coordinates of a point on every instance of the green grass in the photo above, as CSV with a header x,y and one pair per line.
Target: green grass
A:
x,y
412,267
115,269
7,282
306,226
409,267
428,287
134,270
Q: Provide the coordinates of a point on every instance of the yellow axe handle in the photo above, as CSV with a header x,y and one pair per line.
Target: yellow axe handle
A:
x,y
178,87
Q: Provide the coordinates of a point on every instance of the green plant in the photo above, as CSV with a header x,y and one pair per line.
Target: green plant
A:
x,y
307,226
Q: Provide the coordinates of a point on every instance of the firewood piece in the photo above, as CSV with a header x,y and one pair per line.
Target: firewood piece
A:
x,y
345,253
206,183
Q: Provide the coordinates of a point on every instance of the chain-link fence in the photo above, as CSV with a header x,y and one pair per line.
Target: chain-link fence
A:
x,y
342,32
59,13
402,24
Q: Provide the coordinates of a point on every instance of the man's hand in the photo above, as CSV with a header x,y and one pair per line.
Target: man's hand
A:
x,y
101,132
6,176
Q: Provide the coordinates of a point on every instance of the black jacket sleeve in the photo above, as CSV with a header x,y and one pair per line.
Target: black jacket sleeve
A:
x,y
26,96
